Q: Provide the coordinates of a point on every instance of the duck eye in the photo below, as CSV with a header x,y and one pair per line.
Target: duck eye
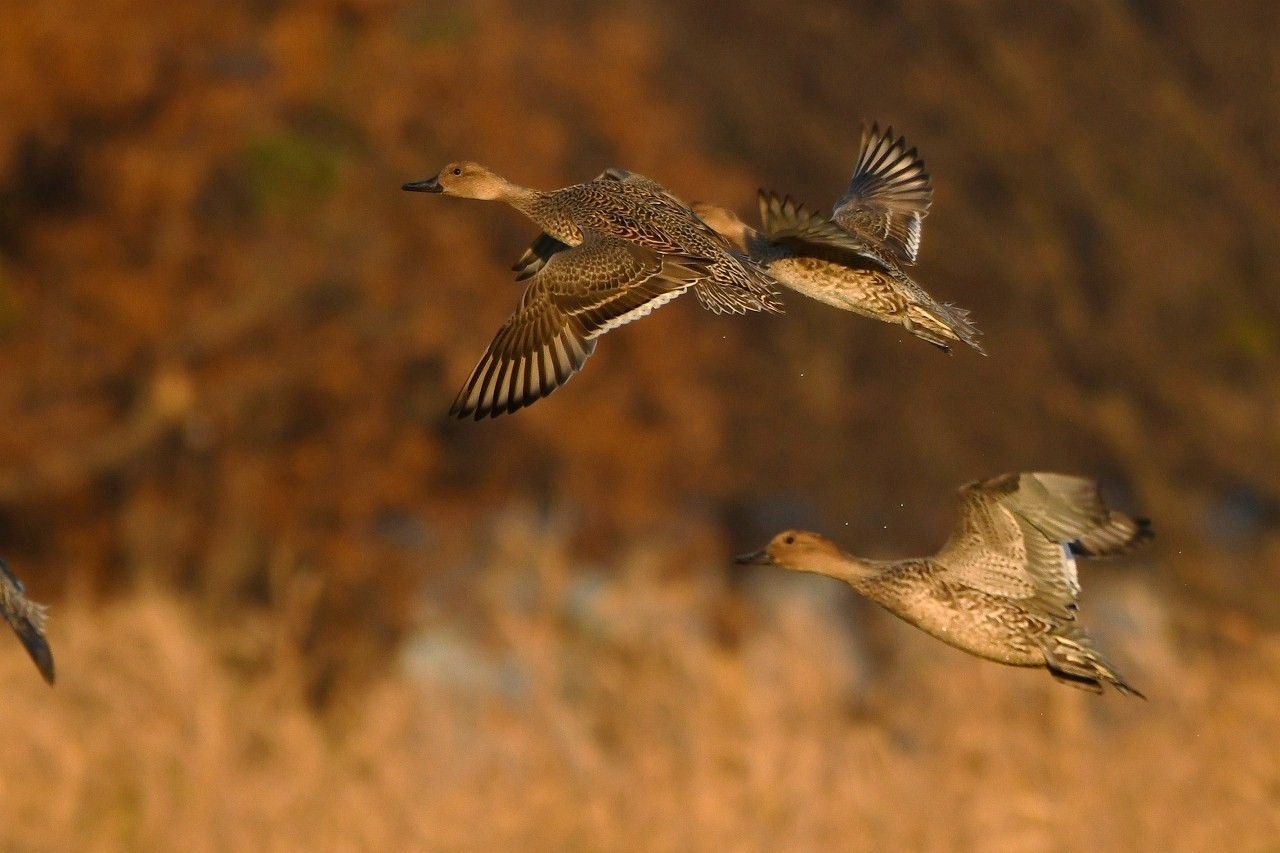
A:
x,y
790,540
457,170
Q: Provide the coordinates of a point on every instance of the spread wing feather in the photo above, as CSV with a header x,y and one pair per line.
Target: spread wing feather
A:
x,y
1017,533
888,196
577,295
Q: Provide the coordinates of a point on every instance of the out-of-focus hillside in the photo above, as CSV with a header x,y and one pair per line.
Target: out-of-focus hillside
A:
x,y
229,341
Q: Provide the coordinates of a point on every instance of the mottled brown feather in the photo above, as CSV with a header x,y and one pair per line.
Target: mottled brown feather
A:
x,y
642,211
576,296
809,254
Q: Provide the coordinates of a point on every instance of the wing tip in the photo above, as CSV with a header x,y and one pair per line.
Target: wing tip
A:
x,y
37,647
1120,535
889,171
505,385
27,618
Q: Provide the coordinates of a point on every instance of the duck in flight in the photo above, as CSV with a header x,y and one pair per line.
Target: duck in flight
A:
x,y
854,259
1004,587
612,250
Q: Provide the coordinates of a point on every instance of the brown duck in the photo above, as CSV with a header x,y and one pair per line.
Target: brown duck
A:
x,y
853,260
613,249
1004,586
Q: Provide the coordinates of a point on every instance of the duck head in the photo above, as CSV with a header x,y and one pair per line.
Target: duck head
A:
x,y
464,179
797,550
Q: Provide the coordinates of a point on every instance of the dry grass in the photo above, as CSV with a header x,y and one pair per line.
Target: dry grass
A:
x,y
601,712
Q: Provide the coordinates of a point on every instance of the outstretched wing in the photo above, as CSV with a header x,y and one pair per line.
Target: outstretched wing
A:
x,y
987,549
1016,535
27,620
888,196
790,222
576,296
1070,509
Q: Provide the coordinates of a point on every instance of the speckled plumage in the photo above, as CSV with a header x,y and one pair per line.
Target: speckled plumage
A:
x,y
612,250
574,297
1004,586
642,211
853,260
27,619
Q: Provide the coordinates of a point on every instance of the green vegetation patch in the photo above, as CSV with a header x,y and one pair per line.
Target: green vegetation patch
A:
x,y
1253,335
290,170
434,26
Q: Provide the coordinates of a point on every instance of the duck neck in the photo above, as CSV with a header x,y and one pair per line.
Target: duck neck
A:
x,y
855,571
521,198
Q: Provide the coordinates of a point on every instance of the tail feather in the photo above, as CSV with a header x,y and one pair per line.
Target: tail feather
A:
x,y
737,286
1073,660
941,322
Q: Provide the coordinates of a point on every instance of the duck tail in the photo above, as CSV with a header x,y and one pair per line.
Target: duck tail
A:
x,y
1073,660
942,322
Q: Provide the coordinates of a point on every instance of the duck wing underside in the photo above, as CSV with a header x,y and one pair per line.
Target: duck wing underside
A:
x,y
987,551
576,296
1018,534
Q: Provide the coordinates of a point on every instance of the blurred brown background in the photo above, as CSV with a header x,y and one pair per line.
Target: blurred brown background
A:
x,y
295,607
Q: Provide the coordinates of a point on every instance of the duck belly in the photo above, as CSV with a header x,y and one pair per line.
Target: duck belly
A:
x,y
865,292
982,625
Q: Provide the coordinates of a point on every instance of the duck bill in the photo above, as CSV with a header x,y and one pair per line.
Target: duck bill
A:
x,y
755,558
430,185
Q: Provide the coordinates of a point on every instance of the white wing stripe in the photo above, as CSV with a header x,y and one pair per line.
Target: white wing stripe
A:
x,y
635,313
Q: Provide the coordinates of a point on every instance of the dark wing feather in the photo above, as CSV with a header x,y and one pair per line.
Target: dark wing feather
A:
x,y
27,620
791,223
536,256
1070,509
888,196
578,295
